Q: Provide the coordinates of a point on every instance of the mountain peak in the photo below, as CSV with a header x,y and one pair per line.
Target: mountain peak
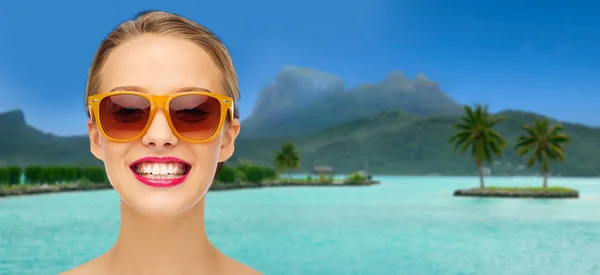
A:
x,y
13,117
293,87
421,77
306,74
396,75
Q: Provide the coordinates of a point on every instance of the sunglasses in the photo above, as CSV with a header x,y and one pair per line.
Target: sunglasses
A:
x,y
192,116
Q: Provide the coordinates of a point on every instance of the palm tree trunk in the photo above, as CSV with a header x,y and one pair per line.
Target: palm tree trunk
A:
x,y
481,184
545,179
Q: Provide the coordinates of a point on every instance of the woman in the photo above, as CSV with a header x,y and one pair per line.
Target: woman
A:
x,y
161,96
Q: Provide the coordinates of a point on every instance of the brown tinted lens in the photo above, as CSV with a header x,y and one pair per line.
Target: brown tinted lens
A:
x,y
124,116
195,116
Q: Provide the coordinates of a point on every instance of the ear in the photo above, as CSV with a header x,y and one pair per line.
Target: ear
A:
x,y
228,143
94,134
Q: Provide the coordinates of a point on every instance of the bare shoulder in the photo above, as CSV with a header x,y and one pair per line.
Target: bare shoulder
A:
x,y
235,267
242,269
80,270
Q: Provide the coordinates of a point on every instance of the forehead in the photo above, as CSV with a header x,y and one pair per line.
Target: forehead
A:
x,y
160,65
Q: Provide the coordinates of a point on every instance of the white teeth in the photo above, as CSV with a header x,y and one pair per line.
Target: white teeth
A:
x,y
160,170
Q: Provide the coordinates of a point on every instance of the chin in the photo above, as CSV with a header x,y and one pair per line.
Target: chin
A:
x,y
160,201
162,205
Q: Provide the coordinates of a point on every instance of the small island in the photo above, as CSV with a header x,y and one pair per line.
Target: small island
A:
x,y
44,179
541,141
519,192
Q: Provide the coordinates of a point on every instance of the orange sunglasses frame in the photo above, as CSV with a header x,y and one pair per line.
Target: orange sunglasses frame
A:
x,y
160,102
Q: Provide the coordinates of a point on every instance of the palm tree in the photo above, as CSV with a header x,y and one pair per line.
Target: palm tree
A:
x,y
475,132
287,158
544,143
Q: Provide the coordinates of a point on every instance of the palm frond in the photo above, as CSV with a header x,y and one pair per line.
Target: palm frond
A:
x,y
460,137
525,149
555,129
557,151
559,138
531,160
462,126
465,146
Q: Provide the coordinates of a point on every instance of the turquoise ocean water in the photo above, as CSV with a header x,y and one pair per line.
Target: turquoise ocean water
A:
x,y
406,225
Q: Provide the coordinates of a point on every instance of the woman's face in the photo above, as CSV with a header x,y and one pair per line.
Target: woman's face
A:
x,y
161,66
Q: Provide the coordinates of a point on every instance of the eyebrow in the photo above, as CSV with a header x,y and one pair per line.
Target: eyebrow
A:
x,y
142,90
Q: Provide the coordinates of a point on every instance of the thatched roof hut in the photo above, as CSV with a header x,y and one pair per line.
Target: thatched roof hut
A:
x,y
322,169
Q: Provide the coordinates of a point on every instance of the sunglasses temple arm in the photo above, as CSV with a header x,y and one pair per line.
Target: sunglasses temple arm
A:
x,y
232,111
91,113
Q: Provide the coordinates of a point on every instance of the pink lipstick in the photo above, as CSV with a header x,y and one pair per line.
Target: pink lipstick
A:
x,y
160,171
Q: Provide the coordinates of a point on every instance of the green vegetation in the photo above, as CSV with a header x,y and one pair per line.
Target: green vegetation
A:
x,y
287,158
246,173
544,143
10,175
357,178
325,179
475,132
57,175
50,175
48,179
40,179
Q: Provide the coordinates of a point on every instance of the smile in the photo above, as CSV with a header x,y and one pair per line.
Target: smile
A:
x,y
160,171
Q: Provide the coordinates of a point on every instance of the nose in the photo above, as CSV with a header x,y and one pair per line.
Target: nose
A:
x,y
159,133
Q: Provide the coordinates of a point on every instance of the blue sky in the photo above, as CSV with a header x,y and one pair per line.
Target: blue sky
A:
x,y
540,56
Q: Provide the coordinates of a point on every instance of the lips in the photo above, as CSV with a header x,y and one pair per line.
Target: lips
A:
x,y
160,171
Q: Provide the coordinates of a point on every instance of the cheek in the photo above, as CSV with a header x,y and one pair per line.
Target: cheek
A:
x,y
206,156
207,153
113,150
115,156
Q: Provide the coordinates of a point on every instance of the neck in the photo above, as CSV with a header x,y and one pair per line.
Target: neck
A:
x,y
169,245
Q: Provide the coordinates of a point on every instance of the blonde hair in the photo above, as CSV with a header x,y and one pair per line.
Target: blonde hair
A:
x,y
167,24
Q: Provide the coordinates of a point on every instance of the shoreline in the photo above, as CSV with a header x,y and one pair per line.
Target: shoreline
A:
x,y
223,187
519,192
60,188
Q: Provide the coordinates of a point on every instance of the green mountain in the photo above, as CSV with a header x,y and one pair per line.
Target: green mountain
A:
x,y
24,145
398,126
398,143
315,101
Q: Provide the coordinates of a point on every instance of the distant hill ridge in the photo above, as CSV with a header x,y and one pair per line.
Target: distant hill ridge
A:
x,y
24,145
397,126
